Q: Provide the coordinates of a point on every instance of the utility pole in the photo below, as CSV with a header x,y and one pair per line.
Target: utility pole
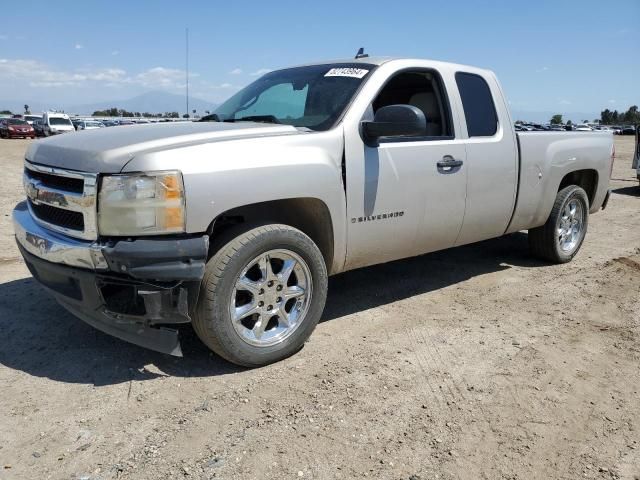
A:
x,y
187,69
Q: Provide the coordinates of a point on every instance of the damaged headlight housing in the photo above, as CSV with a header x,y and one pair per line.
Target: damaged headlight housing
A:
x,y
141,204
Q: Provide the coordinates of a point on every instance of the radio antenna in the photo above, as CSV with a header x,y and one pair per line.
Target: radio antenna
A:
x,y
187,68
361,53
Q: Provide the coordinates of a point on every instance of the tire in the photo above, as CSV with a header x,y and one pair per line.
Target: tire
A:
x,y
561,237
239,277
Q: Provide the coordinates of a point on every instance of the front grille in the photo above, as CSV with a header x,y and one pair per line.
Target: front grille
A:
x,y
58,216
63,200
69,184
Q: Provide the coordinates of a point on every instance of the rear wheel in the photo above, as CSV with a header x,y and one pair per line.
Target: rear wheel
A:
x,y
561,237
262,295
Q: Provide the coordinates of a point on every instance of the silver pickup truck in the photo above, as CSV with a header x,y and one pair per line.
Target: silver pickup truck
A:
x,y
235,224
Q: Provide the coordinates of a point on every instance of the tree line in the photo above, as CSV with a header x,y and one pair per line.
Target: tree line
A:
x,y
631,116
607,117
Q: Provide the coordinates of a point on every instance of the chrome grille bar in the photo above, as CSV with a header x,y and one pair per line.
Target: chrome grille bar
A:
x,y
54,194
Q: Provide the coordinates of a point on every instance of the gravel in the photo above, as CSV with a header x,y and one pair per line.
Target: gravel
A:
x,y
475,362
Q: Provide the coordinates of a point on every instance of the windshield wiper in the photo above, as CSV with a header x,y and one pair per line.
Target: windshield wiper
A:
x,y
212,117
255,118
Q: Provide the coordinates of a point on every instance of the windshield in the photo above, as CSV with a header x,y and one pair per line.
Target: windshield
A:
x,y
59,121
16,121
314,97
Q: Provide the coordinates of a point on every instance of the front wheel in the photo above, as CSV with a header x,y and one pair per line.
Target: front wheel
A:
x,y
560,238
262,295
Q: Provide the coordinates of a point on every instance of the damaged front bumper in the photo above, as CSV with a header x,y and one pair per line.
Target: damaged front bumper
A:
x,y
130,289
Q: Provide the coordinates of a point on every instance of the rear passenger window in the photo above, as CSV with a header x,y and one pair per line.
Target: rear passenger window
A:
x,y
479,110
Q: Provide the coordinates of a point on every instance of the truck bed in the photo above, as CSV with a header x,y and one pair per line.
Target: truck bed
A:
x,y
544,160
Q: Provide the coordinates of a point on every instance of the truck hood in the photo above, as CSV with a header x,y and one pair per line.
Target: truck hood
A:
x,y
108,150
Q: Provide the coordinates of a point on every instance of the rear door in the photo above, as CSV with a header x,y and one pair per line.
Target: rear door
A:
x,y
492,158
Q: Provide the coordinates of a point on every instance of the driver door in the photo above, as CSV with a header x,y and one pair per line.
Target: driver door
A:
x,y
401,198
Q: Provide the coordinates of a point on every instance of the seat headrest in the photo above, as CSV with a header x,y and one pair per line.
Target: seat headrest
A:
x,y
428,103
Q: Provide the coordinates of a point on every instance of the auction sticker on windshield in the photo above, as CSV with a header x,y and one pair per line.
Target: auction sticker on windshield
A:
x,y
347,72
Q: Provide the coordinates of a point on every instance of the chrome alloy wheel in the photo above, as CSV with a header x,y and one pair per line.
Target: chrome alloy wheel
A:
x,y
271,297
570,226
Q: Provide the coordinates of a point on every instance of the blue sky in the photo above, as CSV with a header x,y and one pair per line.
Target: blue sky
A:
x,y
579,56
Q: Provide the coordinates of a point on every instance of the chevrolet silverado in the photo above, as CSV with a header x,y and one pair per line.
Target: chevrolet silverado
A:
x,y
235,224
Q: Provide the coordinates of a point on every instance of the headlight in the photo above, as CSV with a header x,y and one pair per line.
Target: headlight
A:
x,y
141,204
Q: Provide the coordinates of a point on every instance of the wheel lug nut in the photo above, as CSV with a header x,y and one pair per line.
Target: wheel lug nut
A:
x,y
261,292
261,304
270,284
279,299
279,287
270,307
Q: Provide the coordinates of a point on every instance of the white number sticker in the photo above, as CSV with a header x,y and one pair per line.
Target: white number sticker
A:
x,y
347,72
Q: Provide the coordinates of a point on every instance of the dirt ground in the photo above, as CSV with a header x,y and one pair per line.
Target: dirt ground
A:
x,y
473,363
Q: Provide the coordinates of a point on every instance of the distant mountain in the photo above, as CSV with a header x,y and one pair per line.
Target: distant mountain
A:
x,y
18,107
160,102
152,102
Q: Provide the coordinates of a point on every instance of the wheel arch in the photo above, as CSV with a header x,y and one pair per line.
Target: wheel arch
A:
x,y
308,214
587,179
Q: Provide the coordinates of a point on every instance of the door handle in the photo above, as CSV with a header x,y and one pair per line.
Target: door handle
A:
x,y
448,163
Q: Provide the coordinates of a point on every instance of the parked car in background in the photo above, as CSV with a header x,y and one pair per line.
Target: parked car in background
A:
x,y
16,128
583,128
126,122
628,130
54,123
38,127
31,118
89,125
617,129
557,128
636,157
109,123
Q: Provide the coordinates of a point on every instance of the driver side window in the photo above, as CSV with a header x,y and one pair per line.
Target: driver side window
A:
x,y
422,89
280,100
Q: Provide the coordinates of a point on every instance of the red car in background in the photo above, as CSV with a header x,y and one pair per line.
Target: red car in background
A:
x,y
16,127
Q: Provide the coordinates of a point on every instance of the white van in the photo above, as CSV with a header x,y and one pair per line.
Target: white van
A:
x,y
54,123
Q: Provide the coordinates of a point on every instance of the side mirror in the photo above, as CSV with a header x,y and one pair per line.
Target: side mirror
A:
x,y
394,121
